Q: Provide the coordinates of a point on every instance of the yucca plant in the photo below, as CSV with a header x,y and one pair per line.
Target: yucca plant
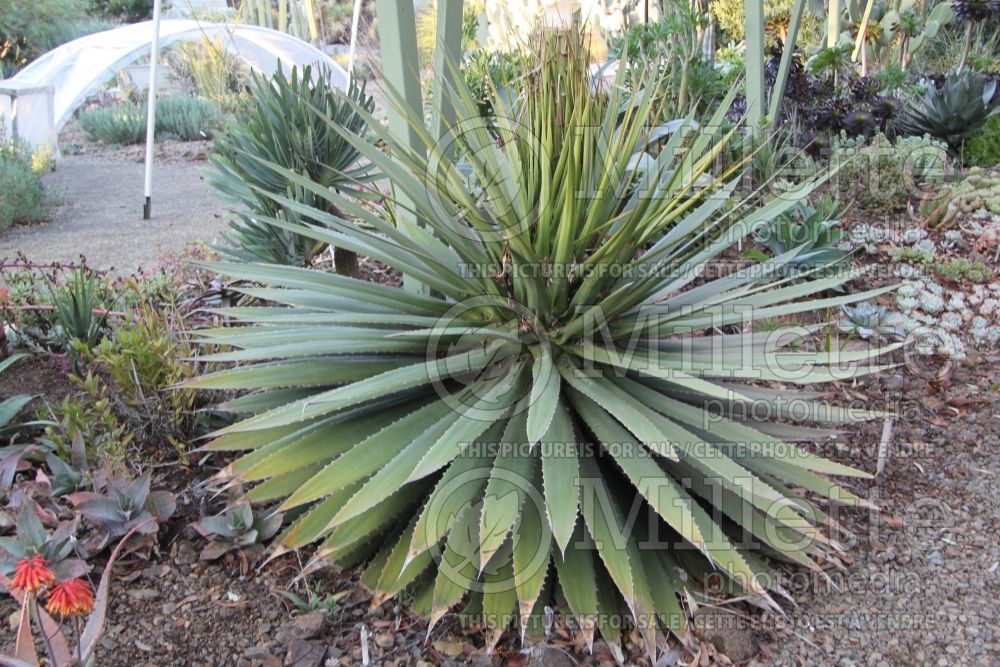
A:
x,y
291,123
565,414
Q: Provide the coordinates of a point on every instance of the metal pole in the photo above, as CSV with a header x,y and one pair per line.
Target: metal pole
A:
x,y
354,41
154,56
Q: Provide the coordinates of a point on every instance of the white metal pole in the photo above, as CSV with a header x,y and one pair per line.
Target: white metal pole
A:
x,y
154,57
354,41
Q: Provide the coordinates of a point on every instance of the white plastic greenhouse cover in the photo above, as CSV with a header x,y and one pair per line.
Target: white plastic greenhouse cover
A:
x,y
79,68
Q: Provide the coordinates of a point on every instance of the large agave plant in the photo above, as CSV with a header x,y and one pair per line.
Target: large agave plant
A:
x,y
569,415
953,111
290,123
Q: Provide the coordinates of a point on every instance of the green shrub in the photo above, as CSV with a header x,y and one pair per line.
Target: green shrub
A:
x,y
119,124
487,72
187,118
886,175
88,414
146,357
671,47
564,414
983,148
29,28
128,11
22,195
178,117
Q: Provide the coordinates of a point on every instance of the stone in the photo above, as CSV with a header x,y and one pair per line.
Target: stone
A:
x,y
306,626
304,653
186,555
144,594
262,656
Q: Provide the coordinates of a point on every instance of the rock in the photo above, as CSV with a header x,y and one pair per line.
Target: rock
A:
x,y
547,656
384,639
304,653
894,382
260,655
144,594
306,626
186,554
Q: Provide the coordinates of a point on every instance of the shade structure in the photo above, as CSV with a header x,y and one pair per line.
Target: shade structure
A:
x,y
79,68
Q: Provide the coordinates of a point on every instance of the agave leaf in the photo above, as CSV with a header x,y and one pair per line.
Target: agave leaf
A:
x,y
544,394
499,595
512,472
579,582
618,553
458,569
560,472
532,544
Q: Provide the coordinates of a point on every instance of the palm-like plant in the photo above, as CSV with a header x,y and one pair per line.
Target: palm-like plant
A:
x,y
290,123
487,440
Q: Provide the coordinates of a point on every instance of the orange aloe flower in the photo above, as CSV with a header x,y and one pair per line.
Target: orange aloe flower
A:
x,y
73,597
30,574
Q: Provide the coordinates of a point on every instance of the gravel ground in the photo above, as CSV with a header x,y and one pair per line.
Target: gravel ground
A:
x,y
97,213
924,582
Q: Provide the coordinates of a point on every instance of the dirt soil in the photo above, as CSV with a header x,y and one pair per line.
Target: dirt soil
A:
x,y
45,377
97,211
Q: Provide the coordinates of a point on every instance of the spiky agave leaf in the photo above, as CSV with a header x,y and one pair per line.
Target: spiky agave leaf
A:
x,y
571,405
953,111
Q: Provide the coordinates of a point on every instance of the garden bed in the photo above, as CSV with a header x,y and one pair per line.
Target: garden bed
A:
x,y
929,544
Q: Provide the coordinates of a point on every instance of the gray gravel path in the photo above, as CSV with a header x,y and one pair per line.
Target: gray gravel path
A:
x,y
97,213
923,581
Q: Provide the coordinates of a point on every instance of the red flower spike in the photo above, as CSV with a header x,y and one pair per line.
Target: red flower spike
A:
x,y
32,573
73,597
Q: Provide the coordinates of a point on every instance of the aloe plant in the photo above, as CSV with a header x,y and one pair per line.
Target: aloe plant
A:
x,y
486,440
